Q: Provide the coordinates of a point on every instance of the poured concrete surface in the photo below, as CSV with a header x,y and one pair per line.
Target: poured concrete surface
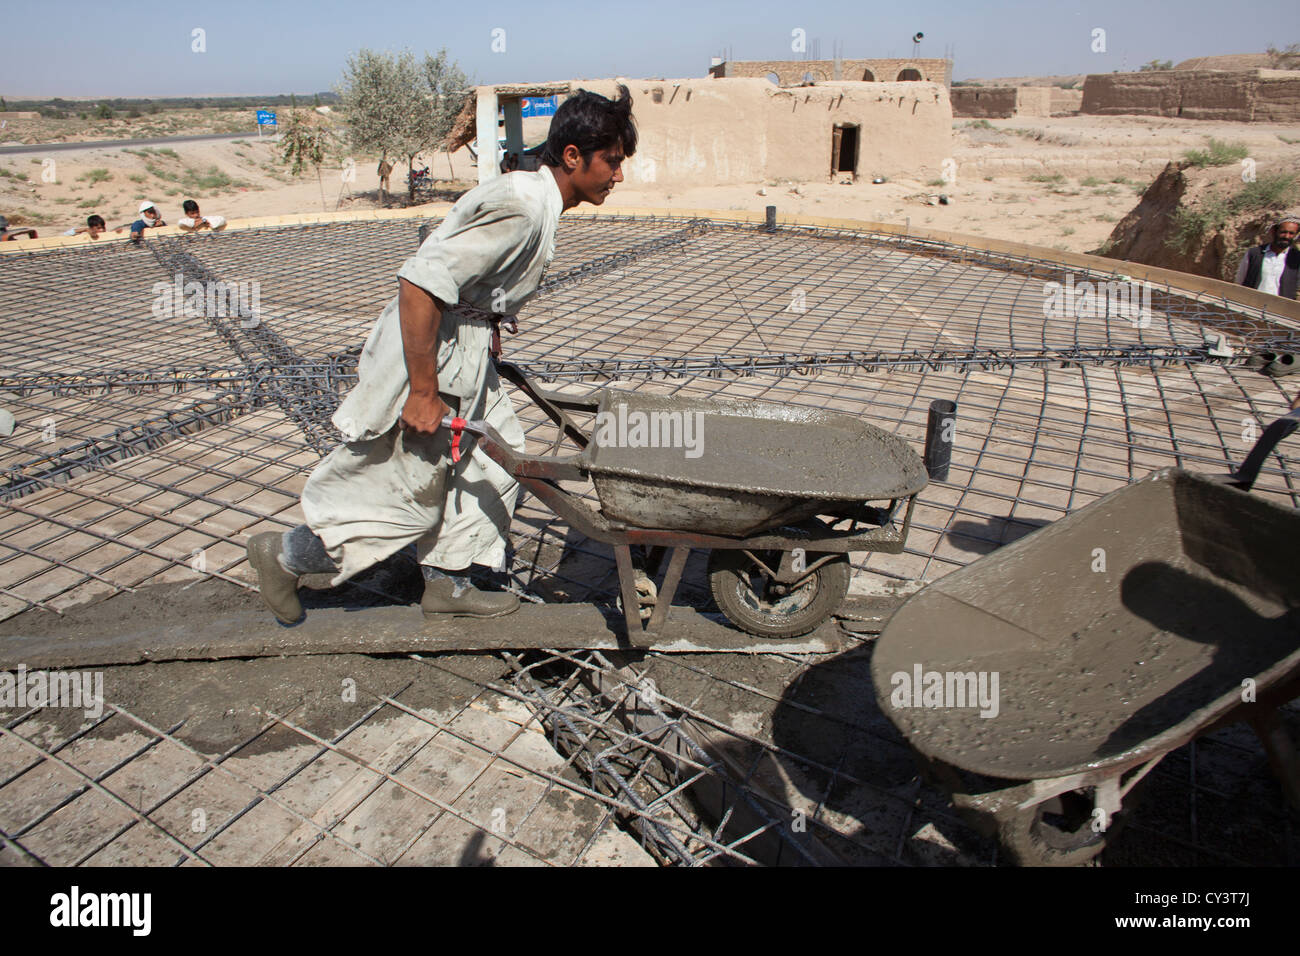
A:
x,y
457,775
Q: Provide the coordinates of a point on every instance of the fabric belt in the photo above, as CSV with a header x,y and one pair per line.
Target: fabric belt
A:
x,y
497,320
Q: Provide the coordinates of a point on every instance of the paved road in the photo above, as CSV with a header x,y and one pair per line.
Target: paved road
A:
x,y
118,143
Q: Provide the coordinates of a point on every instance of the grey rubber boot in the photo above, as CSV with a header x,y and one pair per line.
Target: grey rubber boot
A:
x,y
279,587
445,595
1284,364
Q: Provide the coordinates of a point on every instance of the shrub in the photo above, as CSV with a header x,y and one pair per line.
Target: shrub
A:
x,y
1219,153
213,178
1267,192
1189,223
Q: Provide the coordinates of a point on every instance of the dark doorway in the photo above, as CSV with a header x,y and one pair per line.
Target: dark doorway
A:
x,y
844,149
910,74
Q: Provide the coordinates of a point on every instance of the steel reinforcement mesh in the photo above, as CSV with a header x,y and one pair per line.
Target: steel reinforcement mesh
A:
x,y
150,444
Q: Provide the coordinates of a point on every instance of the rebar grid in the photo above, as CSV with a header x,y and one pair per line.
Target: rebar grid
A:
x,y
176,439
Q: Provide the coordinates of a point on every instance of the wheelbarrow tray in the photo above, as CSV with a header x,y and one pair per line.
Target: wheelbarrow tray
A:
x,y
749,466
1104,664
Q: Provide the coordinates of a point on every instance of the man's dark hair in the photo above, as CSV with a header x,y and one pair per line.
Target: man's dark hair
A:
x,y
190,205
95,221
591,122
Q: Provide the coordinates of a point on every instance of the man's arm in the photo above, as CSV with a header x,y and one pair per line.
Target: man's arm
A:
x,y
1241,269
420,315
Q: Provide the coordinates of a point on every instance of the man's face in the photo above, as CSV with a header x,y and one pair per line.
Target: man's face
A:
x,y
595,179
150,214
94,231
1285,235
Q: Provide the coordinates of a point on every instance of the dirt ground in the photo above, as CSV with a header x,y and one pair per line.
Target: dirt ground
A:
x,y
1061,183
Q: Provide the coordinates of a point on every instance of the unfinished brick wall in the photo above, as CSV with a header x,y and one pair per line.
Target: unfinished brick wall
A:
x,y
791,72
1244,96
989,102
1001,101
1277,97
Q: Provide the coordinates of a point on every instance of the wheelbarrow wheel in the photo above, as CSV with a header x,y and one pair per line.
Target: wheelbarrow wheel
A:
x,y
1057,832
755,603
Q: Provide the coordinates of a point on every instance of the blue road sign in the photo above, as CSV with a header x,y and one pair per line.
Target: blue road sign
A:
x,y
265,118
538,105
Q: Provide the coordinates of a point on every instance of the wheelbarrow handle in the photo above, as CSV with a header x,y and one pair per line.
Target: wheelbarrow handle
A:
x,y
1244,477
458,426
515,463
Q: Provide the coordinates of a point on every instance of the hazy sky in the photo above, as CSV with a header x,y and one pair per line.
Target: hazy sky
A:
x,y
144,48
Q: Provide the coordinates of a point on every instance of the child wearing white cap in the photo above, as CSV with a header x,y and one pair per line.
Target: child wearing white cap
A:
x,y
148,217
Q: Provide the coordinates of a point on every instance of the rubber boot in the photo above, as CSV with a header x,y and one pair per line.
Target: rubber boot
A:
x,y
1284,364
279,587
444,595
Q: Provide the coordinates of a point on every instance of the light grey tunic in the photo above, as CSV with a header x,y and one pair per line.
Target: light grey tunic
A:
x,y
385,488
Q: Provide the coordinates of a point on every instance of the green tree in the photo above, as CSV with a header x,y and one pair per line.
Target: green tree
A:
x,y
1156,65
448,89
303,143
373,95
395,106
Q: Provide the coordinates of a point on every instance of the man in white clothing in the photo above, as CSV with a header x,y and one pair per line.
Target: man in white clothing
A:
x,y
392,482
1275,266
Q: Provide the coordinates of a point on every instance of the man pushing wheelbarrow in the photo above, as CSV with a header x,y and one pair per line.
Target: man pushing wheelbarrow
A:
x,y
393,481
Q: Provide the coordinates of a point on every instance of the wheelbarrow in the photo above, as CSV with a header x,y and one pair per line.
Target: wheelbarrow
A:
x,y
1109,638
778,494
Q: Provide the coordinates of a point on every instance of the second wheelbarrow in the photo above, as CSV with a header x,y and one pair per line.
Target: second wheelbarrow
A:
x,y
1041,683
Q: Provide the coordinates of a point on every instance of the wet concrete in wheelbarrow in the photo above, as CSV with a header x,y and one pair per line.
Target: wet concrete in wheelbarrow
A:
x,y
1196,598
747,465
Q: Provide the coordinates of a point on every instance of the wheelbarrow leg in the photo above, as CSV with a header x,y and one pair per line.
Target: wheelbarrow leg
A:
x,y
627,588
1281,752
